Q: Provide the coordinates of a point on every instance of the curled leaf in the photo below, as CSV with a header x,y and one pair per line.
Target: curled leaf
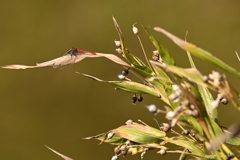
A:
x,y
70,58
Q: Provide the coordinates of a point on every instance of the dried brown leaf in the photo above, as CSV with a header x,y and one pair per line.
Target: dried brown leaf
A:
x,y
70,58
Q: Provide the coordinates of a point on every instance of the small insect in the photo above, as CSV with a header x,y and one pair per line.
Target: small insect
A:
x,y
74,52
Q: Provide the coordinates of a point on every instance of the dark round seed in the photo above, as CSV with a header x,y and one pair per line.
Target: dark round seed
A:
x,y
193,134
224,101
230,156
125,72
185,132
140,99
134,99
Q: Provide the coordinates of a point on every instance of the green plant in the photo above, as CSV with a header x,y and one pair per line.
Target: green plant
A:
x,y
189,103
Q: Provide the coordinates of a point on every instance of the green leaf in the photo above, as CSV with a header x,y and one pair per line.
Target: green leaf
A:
x,y
192,123
206,96
189,73
181,141
126,54
152,78
234,141
165,55
140,133
135,87
128,86
198,52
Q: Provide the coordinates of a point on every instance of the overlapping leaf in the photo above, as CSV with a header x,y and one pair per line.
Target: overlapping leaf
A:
x,y
165,55
140,133
125,53
129,86
206,96
198,52
192,147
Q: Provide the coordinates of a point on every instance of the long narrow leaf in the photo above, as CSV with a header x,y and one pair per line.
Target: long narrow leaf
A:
x,y
206,95
128,86
198,52
165,55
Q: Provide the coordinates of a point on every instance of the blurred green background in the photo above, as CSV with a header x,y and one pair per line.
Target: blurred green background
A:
x,y
57,107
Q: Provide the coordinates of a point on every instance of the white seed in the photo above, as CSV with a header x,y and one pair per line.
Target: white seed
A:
x,y
128,142
162,151
174,122
172,96
176,100
215,104
189,112
114,157
119,50
166,127
175,87
217,75
156,53
224,101
142,154
195,113
117,43
110,135
152,108
129,122
205,78
178,93
170,115
123,148
120,76
135,29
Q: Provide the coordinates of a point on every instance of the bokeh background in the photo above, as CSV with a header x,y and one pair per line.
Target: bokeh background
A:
x,y
57,107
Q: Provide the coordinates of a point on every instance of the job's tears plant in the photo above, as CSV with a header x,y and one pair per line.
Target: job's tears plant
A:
x,y
185,91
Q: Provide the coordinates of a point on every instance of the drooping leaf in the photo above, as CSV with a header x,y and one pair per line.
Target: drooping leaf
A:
x,y
165,55
198,52
70,58
140,133
128,86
